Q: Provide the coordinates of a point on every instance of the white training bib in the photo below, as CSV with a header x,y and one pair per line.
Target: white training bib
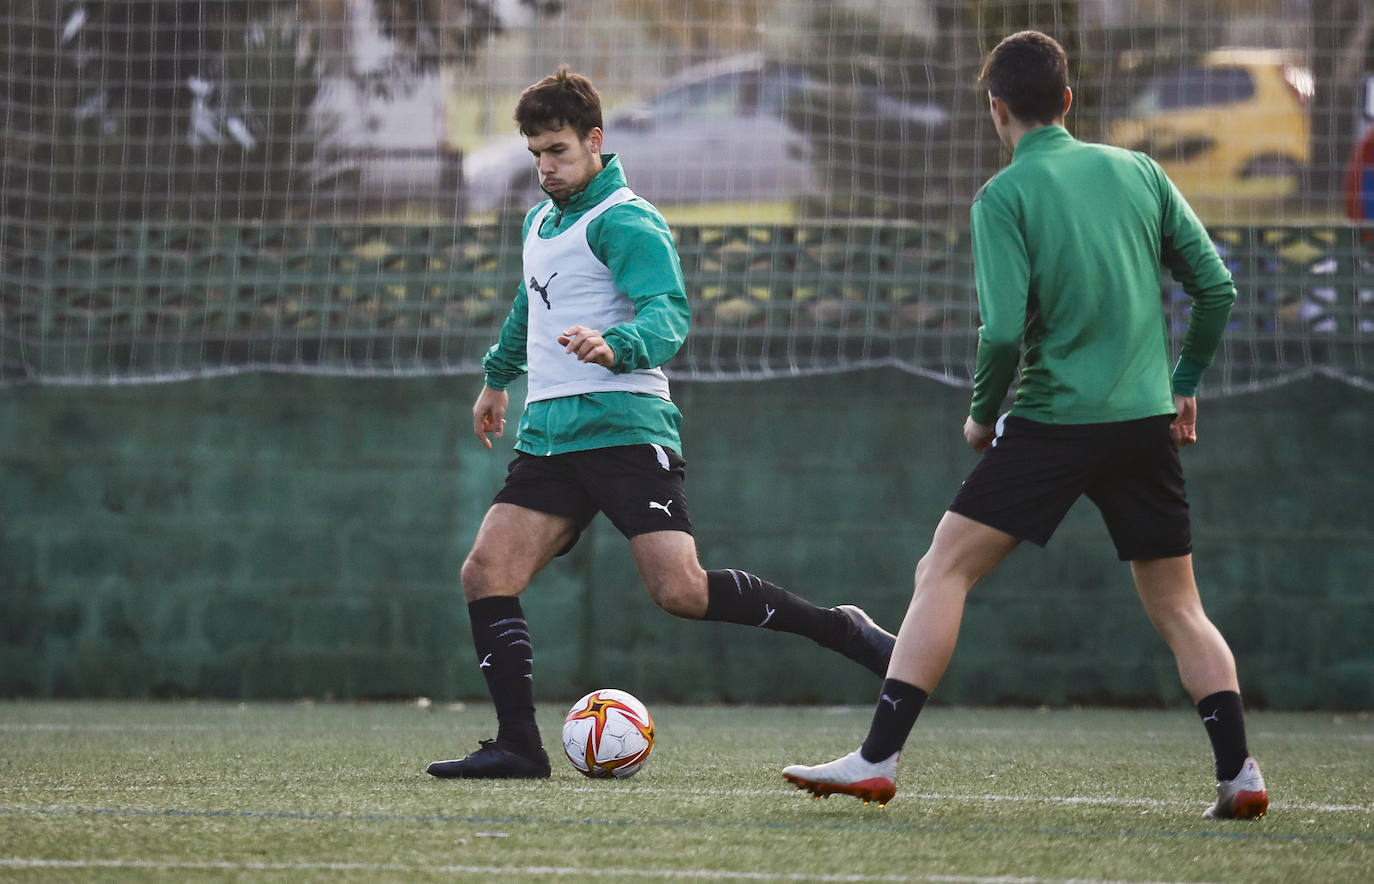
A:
x,y
567,285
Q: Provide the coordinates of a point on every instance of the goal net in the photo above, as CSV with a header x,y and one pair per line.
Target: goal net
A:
x,y
197,187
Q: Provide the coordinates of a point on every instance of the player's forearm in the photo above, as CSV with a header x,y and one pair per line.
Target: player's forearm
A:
x,y
992,377
1206,323
654,336
637,246
1002,270
499,370
1188,252
507,360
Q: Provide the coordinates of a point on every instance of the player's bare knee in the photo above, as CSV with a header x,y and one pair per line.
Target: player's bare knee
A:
x,y
1176,618
925,571
943,575
922,569
471,577
670,596
679,594
481,578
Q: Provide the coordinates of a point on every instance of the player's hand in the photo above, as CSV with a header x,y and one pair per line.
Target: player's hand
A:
x,y
587,345
1183,428
978,436
489,414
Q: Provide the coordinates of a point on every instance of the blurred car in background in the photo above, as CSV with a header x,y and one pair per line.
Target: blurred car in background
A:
x,y
746,135
1230,127
1359,180
1359,171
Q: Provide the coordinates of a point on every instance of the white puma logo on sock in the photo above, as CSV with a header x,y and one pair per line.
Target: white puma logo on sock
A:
x,y
655,505
1213,717
768,614
893,703
486,662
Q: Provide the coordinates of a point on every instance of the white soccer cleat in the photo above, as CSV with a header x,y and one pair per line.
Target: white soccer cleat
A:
x,y
850,775
1243,798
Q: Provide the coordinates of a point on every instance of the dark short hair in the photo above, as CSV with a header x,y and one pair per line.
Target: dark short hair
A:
x,y
564,99
1029,72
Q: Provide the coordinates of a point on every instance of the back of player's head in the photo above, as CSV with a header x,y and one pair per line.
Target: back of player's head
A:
x,y
1029,72
564,99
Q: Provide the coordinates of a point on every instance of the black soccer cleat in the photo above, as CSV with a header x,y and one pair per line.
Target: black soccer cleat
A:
x,y
865,642
495,760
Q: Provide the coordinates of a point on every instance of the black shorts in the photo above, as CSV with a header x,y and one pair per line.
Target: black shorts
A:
x,y
1025,484
639,488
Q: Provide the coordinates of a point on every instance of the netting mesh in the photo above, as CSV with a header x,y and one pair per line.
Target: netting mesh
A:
x,y
203,186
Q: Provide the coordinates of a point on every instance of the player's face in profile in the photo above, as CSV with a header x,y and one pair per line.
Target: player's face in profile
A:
x,y
566,163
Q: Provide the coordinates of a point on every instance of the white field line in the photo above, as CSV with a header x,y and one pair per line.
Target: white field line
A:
x,y
506,872
924,734
783,790
1024,734
79,727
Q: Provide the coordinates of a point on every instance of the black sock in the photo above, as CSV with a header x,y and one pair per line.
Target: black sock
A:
x,y
734,596
898,705
1224,718
501,638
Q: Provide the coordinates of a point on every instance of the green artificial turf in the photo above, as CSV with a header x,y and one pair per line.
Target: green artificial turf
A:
x,y
100,791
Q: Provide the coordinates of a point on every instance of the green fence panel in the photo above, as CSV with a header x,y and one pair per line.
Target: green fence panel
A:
x,y
271,535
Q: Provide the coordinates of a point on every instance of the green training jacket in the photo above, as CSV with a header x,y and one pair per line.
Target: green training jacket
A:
x,y
634,241
1068,240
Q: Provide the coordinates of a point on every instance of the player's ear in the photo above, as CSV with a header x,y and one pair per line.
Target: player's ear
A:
x,y
999,110
594,138
1068,101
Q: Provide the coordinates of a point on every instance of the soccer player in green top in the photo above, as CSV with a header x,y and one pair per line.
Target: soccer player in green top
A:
x,y
1068,240
600,431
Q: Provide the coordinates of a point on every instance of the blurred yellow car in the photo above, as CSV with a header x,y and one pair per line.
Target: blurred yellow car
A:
x,y
1231,127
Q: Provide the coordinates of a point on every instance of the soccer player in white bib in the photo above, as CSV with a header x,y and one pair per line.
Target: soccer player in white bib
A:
x,y
600,307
